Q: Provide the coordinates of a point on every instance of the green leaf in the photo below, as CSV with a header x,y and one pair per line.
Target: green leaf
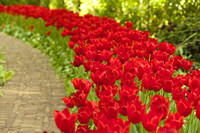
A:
x,y
1,94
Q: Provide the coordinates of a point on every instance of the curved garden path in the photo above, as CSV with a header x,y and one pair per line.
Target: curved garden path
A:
x,y
33,92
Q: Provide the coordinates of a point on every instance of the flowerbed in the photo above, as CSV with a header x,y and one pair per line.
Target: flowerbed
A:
x,y
135,84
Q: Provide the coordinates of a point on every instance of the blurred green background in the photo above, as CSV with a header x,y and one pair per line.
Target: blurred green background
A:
x,y
147,14
174,21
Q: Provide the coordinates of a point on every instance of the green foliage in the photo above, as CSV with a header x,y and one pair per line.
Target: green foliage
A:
x,y
185,34
56,4
9,2
44,3
4,74
16,2
146,14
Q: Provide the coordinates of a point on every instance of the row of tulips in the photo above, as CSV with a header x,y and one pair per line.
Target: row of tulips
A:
x,y
134,83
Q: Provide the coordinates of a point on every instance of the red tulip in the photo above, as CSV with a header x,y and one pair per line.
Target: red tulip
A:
x,y
194,96
64,121
187,65
65,32
31,26
127,93
82,129
178,61
109,108
71,44
184,107
79,50
88,65
150,82
156,64
160,55
168,47
150,121
69,101
111,125
193,82
151,45
80,98
123,53
48,33
135,110
84,115
107,55
129,25
79,60
178,93
81,84
168,85
174,121
160,105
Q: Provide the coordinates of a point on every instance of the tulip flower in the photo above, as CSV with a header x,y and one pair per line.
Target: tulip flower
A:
x,y
65,121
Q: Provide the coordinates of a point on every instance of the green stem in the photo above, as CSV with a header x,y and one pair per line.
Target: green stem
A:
x,y
149,57
141,127
188,123
188,39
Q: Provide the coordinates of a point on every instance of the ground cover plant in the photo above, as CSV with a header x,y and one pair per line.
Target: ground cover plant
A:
x,y
185,34
4,74
131,82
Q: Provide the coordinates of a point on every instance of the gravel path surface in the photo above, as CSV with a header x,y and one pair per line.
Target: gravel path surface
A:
x,y
33,92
